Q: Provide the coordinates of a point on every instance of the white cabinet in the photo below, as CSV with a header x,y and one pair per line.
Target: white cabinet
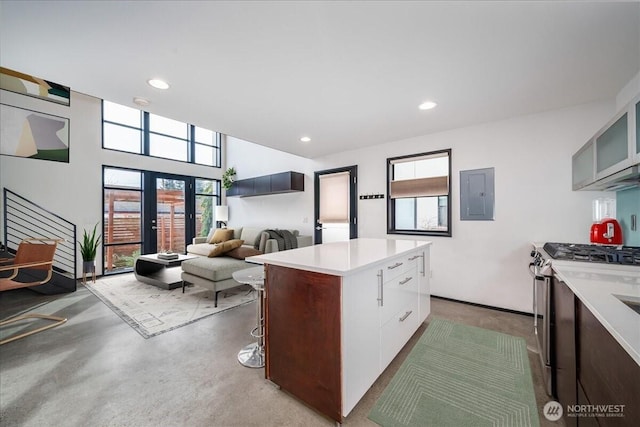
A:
x,y
378,320
614,148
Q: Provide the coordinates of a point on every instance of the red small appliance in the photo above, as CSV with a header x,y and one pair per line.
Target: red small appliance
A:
x,y
605,230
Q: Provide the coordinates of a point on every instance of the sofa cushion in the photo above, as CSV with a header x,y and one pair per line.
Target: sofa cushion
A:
x,y
214,269
242,252
221,235
202,249
224,247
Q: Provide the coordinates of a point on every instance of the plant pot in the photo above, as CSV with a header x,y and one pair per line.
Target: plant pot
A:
x,y
89,266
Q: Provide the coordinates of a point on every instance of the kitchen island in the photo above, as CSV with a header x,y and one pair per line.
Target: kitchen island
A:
x,y
336,314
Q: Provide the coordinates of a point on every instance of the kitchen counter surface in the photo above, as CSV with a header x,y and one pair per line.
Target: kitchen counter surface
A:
x,y
340,258
596,285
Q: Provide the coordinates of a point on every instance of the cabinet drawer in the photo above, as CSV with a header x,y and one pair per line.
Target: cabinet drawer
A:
x,y
397,267
398,292
397,331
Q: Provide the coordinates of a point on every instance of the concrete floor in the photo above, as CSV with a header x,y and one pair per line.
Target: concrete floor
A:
x,y
95,370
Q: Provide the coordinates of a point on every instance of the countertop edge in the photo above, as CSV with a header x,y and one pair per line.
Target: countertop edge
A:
x,y
264,259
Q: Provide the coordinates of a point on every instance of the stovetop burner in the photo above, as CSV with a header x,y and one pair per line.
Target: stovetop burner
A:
x,y
624,255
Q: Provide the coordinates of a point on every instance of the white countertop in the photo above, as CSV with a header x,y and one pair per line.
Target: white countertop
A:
x,y
340,258
595,285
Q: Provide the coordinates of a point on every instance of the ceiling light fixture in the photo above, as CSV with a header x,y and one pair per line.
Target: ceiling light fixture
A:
x,y
305,139
158,84
428,105
141,101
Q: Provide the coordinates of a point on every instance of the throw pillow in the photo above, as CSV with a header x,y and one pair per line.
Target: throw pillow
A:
x,y
221,235
224,247
242,252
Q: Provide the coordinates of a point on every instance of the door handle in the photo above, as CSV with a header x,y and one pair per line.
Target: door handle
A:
x,y
153,227
380,289
320,228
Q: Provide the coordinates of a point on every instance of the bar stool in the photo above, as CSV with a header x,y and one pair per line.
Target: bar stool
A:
x,y
252,355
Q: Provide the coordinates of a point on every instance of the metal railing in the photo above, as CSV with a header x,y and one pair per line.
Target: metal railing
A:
x,y
24,219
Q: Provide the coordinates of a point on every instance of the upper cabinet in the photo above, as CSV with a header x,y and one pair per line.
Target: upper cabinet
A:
x,y
636,124
609,160
285,182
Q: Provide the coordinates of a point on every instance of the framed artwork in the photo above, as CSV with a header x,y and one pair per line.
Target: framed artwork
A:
x,y
14,81
26,133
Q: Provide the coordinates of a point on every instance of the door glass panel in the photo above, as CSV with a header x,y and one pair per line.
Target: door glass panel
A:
x,y
122,228
612,145
170,215
334,207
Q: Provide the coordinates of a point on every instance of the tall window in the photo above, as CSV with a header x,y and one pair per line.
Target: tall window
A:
x,y
135,131
419,188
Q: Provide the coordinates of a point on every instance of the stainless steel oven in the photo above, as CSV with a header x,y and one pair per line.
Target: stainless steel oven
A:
x,y
540,269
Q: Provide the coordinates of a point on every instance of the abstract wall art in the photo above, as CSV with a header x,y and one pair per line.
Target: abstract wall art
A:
x,y
25,84
26,133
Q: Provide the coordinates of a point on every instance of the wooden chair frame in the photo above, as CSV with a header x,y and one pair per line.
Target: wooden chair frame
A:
x,y
7,283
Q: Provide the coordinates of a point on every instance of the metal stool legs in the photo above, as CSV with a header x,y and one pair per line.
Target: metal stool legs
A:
x,y
252,356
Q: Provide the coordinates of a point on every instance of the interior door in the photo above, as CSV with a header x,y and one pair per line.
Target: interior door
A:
x,y
336,205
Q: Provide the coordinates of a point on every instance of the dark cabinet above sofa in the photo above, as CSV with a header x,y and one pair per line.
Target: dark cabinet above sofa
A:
x,y
284,182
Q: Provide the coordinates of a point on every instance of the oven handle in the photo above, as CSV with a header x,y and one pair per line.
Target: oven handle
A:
x,y
547,314
535,304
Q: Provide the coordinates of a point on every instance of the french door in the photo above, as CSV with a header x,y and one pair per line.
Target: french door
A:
x,y
168,213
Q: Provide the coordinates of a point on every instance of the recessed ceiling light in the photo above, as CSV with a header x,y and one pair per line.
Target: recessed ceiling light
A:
x,y
428,105
158,84
141,101
305,139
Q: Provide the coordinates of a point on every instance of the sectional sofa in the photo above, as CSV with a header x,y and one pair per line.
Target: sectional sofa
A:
x,y
215,272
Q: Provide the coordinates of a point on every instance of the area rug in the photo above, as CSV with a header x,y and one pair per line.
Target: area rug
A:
x,y
458,375
152,311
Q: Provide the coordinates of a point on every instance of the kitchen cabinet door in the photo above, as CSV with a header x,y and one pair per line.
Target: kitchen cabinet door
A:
x,y
583,166
606,372
565,347
361,334
612,147
636,125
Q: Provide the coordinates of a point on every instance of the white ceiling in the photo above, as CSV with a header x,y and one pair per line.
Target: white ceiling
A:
x,y
347,74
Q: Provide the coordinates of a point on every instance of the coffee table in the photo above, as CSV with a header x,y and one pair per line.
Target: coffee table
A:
x,y
154,271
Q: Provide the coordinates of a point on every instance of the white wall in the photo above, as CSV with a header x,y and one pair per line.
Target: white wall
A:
x,y
286,211
74,190
486,261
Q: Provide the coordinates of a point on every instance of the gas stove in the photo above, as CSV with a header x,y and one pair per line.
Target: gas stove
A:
x,y
621,255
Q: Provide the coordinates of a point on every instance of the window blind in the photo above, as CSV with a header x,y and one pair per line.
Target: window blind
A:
x,y
420,187
334,198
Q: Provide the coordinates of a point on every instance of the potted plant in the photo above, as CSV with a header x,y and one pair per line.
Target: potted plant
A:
x,y
228,177
88,249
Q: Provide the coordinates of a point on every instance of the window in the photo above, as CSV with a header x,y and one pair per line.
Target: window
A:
x,y
207,196
419,188
139,132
